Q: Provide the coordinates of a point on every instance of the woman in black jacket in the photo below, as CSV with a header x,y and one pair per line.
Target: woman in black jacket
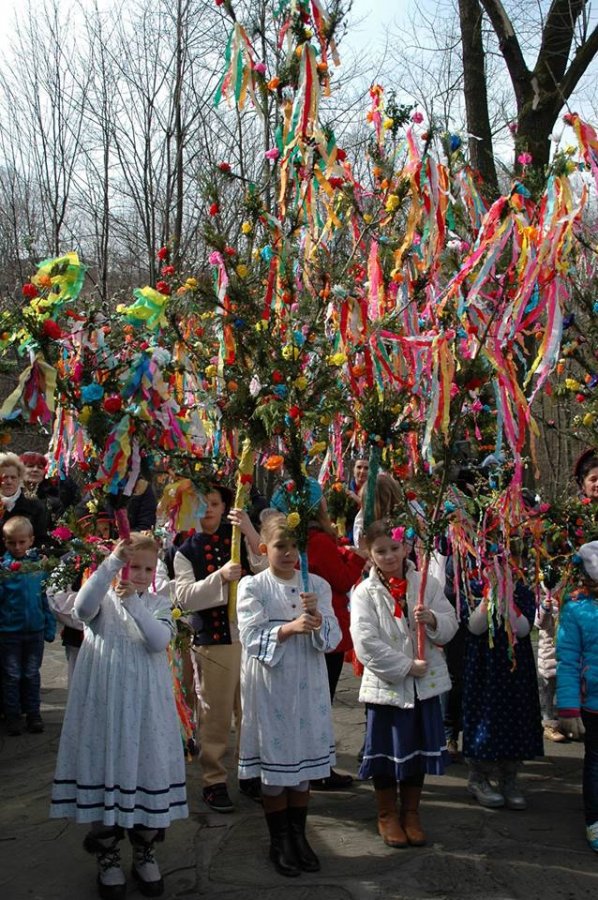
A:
x,y
14,502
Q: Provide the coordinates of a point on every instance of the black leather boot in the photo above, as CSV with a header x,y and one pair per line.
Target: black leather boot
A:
x,y
282,852
307,859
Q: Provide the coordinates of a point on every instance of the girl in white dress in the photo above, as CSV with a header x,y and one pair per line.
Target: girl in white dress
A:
x,y
120,762
286,736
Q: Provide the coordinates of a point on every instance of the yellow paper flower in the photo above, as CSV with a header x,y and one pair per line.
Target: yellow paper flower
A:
x,y
388,123
337,359
301,382
191,283
85,415
246,227
317,448
589,419
176,613
293,519
572,384
367,218
392,203
242,270
211,371
290,351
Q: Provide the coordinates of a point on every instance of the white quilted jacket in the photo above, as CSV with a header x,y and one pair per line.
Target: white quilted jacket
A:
x,y
387,645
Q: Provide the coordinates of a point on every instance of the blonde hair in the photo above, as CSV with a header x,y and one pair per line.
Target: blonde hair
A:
x,y
140,541
273,526
15,524
11,459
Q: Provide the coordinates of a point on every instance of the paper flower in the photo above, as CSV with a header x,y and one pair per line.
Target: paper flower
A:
x,y
293,519
273,153
524,159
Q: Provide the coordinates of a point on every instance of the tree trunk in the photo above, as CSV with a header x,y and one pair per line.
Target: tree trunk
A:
x,y
481,151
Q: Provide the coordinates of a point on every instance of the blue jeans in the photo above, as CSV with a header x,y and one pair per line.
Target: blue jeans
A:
x,y
590,767
21,655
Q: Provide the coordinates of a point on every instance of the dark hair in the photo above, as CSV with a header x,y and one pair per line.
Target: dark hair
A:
x,y
380,528
226,495
584,465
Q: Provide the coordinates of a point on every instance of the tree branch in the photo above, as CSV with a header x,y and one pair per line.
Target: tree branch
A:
x,y
510,49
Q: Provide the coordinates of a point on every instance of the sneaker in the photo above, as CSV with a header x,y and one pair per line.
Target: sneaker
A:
x,y
592,836
553,734
482,790
35,723
252,788
14,725
216,797
334,782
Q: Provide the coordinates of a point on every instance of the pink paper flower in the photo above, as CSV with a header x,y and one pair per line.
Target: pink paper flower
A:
x,y
524,159
398,534
273,153
260,68
62,533
417,118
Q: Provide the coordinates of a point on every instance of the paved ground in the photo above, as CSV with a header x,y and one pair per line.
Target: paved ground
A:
x,y
473,854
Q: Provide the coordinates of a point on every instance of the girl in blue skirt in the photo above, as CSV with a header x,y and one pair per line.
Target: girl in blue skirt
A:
x,y
405,735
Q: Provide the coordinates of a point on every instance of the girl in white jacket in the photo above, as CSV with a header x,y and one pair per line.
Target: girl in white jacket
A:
x,y
405,734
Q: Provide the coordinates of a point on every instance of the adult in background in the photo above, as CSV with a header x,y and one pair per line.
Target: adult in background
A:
x,y
14,501
361,467
143,504
56,493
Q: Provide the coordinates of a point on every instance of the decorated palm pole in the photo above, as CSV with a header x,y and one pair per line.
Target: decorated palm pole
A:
x,y
244,481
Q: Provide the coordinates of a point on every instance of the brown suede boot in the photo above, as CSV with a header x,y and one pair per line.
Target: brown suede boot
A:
x,y
409,816
389,827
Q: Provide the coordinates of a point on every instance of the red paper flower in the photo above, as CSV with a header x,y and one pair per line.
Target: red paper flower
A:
x,y
340,154
15,566
51,329
214,209
30,291
163,253
295,412
168,270
230,251
163,287
246,479
336,182
112,404
277,376
224,167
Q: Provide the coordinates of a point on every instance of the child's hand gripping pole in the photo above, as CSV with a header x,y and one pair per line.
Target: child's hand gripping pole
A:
x,y
124,533
244,479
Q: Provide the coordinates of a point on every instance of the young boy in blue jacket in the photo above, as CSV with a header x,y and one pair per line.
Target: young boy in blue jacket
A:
x,y
25,623
577,678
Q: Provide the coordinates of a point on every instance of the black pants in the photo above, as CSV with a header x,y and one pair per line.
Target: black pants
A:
x,y
334,666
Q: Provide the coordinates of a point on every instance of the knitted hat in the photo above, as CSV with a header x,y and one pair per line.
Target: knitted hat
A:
x,y
589,559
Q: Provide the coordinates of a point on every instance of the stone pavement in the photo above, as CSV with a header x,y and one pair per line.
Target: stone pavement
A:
x,y
473,854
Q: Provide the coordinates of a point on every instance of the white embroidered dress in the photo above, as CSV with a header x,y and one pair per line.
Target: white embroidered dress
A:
x,y
286,734
120,759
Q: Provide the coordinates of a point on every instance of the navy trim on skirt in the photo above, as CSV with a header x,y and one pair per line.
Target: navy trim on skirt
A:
x,y
400,743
